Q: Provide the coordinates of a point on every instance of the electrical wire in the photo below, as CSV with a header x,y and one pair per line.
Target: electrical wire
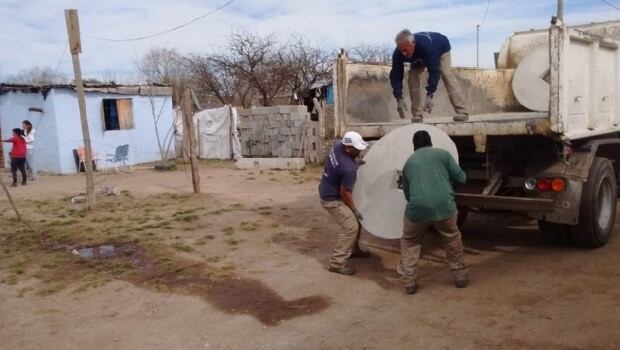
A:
x,y
165,31
62,56
610,4
484,19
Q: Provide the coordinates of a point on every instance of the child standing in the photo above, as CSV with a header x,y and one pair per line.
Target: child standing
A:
x,y
29,132
18,155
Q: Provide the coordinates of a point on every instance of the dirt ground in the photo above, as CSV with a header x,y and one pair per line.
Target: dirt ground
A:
x,y
242,266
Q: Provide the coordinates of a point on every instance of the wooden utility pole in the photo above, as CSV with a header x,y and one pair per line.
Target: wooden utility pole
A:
x,y
73,31
8,195
188,128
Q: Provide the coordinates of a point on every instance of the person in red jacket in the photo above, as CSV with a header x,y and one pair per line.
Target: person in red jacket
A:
x,y
18,155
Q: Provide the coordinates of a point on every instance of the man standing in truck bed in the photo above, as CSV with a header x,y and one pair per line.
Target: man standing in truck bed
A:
x,y
428,50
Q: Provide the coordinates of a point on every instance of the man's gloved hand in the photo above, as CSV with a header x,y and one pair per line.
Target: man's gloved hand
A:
x,y
428,104
358,215
401,106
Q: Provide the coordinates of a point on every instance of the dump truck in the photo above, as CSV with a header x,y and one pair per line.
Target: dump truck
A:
x,y
542,138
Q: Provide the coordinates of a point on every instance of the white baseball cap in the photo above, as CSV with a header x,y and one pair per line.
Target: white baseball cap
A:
x,y
352,138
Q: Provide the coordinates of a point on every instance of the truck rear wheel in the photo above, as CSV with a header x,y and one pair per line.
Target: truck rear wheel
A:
x,y
598,206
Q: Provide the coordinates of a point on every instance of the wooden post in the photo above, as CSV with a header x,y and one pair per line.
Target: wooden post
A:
x,y
188,128
73,31
8,195
231,132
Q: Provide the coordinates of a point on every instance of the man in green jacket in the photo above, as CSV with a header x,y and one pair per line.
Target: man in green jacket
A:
x,y
428,177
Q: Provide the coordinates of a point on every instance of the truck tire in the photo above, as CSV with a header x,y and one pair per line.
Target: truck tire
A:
x,y
554,233
598,206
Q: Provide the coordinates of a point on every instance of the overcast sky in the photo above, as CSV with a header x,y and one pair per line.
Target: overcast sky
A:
x,y
33,32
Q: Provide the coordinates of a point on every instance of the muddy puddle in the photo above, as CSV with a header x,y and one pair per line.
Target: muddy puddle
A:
x,y
104,251
231,294
237,295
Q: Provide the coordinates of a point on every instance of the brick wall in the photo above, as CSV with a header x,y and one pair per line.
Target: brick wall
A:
x,y
280,132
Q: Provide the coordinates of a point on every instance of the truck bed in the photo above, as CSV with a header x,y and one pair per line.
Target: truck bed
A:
x,y
514,123
583,85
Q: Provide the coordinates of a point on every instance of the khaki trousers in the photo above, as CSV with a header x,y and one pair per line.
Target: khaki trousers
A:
x,y
347,239
411,246
449,80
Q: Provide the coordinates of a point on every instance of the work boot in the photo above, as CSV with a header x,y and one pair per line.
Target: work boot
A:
x,y
461,117
14,184
358,253
461,282
418,118
411,289
347,270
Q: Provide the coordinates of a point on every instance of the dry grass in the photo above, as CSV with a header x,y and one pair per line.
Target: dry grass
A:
x,y
159,226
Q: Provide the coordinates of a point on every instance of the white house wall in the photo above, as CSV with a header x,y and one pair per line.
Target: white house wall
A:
x,y
14,108
141,139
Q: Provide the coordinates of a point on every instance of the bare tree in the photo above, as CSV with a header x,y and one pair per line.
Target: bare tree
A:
x,y
372,53
212,76
40,75
163,66
113,77
259,60
164,143
306,65
255,65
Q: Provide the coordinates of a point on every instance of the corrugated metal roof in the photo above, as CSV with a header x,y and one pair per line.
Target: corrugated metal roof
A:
x,y
141,90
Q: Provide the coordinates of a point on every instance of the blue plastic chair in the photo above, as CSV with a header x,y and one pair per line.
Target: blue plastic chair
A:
x,y
120,157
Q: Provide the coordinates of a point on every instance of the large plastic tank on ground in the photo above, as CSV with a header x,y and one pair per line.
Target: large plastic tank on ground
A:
x,y
377,194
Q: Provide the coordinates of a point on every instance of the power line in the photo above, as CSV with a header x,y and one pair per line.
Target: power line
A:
x,y
485,13
610,4
64,51
165,31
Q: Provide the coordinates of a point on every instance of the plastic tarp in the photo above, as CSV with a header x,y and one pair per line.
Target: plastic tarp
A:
x,y
217,134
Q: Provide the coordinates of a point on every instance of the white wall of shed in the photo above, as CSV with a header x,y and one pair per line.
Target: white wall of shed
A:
x,y
14,108
141,139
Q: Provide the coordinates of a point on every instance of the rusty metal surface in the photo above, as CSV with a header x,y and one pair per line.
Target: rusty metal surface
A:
x,y
518,123
504,203
566,205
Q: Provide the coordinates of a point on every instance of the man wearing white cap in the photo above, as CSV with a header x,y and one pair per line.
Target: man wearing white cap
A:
x,y
336,195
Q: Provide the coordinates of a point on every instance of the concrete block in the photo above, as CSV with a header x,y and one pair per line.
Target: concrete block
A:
x,y
271,163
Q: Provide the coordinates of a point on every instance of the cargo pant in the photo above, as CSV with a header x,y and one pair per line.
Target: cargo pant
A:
x,y
411,246
449,80
349,229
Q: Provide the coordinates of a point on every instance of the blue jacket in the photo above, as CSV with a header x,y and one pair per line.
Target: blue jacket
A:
x,y
429,46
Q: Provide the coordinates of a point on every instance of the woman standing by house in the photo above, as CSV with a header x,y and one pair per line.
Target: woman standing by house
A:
x,y
18,155
29,137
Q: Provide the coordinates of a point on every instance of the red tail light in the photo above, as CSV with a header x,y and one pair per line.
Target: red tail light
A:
x,y
558,184
543,185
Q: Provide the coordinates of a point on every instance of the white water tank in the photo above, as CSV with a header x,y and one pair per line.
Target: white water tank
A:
x,y
377,194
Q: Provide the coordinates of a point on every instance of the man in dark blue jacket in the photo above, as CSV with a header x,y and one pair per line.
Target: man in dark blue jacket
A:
x,y
428,50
